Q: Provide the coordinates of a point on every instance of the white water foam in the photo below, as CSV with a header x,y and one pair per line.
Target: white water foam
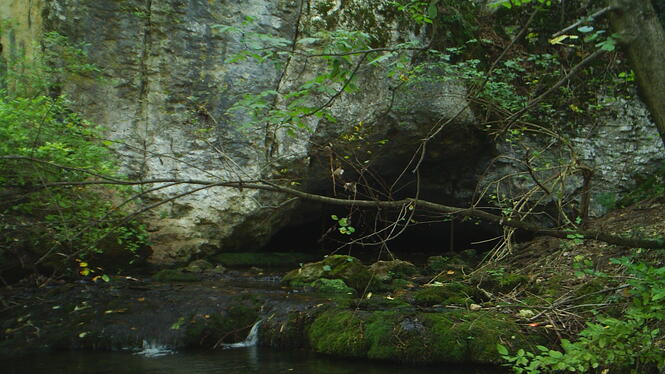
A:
x,y
154,349
251,340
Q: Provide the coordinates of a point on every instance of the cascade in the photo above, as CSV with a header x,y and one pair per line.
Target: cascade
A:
x,y
154,349
250,341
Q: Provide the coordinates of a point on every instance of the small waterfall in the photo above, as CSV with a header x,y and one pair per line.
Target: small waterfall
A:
x,y
154,349
250,341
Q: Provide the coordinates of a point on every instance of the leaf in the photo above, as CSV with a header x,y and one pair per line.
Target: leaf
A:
x,y
334,217
432,10
381,58
308,40
559,39
503,351
608,45
555,354
326,268
585,29
106,278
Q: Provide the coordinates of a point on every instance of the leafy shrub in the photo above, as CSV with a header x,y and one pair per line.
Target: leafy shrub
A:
x,y
630,342
47,154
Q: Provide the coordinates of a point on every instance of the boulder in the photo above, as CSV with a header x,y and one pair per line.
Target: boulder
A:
x,y
347,268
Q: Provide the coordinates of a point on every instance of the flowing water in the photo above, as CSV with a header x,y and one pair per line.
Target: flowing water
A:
x,y
227,361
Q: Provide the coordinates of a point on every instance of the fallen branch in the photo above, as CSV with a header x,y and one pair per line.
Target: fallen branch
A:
x,y
410,203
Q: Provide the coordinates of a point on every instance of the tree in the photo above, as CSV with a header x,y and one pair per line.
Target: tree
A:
x,y
642,37
344,63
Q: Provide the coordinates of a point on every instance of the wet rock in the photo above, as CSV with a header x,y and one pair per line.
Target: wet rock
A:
x,y
199,266
175,275
386,271
347,268
263,259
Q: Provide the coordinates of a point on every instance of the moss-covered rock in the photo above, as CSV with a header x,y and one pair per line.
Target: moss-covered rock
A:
x,y
199,266
450,293
332,286
379,303
175,275
384,273
347,268
454,336
463,336
438,264
339,332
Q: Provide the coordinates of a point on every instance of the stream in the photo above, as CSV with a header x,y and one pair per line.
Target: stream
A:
x,y
227,361
135,326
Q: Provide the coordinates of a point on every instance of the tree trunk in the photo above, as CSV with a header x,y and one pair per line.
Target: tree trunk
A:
x,y
643,39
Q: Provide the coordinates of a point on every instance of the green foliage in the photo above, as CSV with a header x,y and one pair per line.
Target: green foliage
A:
x,y
344,225
512,3
334,48
46,142
628,342
423,12
57,61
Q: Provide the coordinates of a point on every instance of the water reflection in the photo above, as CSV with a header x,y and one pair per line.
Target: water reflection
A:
x,y
228,361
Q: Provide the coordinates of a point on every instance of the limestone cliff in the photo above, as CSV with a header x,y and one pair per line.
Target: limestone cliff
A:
x,y
169,85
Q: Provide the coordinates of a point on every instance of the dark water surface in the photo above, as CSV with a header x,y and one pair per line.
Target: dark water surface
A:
x,y
230,361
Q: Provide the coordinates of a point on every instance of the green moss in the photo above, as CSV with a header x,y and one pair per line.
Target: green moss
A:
x,y
436,264
451,293
332,286
463,336
174,275
347,268
338,332
381,303
405,336
510,281
379,334
390,275
262,259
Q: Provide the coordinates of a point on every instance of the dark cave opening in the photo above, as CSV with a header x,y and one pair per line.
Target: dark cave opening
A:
x,y
321,235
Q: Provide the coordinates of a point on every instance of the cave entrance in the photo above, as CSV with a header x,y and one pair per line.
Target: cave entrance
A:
x,y
419,240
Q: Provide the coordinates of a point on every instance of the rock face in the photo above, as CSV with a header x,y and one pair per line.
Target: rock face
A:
x,y
169,87
620,144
